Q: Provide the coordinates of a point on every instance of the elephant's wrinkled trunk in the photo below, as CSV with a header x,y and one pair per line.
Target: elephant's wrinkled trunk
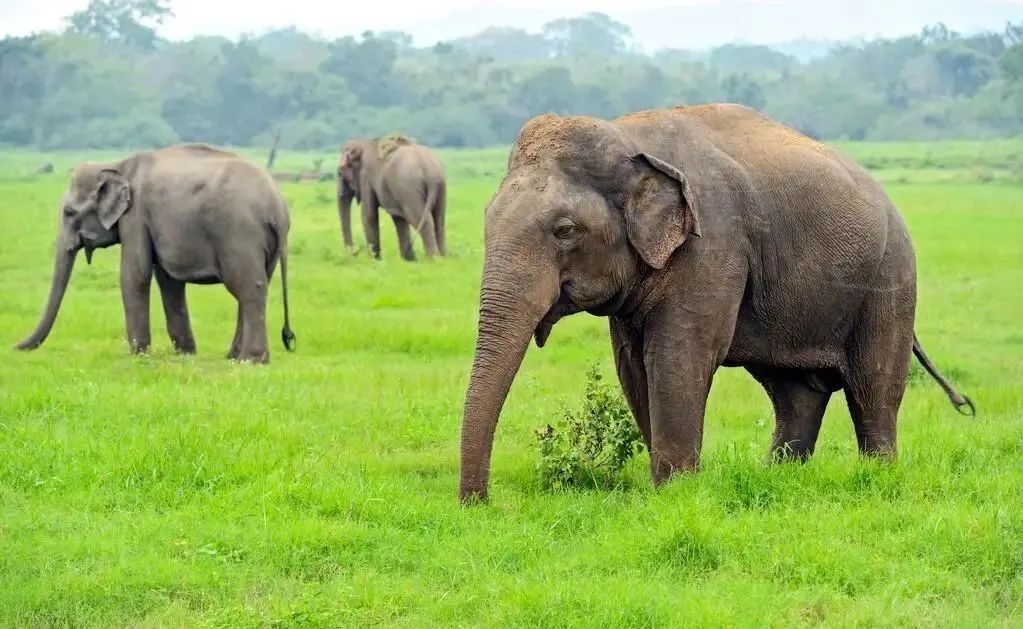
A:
x,y
64,261
511,307
345,195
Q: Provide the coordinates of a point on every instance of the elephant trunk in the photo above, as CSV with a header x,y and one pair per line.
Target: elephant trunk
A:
x,y
508,317
64,261
345,195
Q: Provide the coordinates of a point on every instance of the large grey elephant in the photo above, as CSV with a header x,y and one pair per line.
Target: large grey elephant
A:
x,y
406,179
187,214
710,236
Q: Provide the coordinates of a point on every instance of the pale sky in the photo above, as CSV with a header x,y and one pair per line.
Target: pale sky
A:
x,y
655,23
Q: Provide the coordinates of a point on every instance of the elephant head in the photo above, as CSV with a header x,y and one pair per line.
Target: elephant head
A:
x,y
95,201
349,168
349,180
581,220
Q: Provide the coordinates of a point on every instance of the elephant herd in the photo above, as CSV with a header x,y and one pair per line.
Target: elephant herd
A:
x,y
709,236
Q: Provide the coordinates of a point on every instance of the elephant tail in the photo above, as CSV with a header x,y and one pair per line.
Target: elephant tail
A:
x,y
430,207
962,403
287,336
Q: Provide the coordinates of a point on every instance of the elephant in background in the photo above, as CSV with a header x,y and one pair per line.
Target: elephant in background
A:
x,y
710,236
406,179
187,214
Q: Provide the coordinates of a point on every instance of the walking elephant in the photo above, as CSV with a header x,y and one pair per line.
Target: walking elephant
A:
x,y
710,236
186,214
404,178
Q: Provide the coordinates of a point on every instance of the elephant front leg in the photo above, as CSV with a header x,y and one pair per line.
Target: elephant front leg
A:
x,y
678,386
136,276
683,347
175,308
371,224
627,347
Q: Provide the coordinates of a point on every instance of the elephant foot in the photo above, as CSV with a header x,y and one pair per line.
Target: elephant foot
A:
x,y
256,359
663,469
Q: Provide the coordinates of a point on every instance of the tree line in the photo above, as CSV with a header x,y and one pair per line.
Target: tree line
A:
x,y
107,80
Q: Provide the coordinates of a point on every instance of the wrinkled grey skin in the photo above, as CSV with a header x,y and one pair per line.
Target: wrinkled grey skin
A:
x,y
409,185
710,236
186,214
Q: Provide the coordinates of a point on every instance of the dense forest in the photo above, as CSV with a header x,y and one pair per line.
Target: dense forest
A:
x,y
108,80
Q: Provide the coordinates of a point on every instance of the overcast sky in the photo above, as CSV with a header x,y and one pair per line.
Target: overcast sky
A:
x,y
656,23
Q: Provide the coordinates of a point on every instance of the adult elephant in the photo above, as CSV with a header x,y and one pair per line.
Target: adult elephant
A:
x,y
187,214
711,236
406,179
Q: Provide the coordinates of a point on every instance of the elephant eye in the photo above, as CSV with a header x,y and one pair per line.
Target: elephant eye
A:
x,y
565,229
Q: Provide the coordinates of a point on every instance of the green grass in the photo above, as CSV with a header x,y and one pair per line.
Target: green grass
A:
x,y
321,490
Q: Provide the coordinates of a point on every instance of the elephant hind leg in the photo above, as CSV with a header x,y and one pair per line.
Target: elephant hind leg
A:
x,y
246,279
439,219
404,238
875,384
428,232
236,344
798,411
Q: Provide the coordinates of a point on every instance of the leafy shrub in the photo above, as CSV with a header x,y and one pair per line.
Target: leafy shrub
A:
x,y
591,446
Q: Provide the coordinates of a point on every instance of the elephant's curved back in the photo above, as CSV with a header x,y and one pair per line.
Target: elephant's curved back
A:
x,y
419,161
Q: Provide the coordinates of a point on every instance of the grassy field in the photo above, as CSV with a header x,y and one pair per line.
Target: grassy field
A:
x,y
321,490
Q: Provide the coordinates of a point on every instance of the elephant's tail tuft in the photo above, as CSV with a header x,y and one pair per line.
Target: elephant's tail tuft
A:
x,y
963,404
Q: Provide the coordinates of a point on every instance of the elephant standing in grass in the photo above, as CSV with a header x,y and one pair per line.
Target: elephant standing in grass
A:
x,y
186,214
404,178
710,236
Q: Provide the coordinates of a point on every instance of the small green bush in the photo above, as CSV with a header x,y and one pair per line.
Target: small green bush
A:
x,y
591,446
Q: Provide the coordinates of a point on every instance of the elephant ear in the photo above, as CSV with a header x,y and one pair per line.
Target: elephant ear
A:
x,y
661,211
353,157
113,197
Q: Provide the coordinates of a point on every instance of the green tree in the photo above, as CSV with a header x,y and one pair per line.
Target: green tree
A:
x,y
548,91
505,44
1011,64
246,108
742,89
367,66
963,70
95,100
22,88
590,34
129,22
738,59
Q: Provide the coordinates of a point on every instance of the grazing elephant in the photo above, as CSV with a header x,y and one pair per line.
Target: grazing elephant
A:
x,y
404,178
189,213
710,236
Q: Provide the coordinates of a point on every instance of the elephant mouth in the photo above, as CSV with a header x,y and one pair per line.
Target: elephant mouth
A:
x,y
565,306
561,308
